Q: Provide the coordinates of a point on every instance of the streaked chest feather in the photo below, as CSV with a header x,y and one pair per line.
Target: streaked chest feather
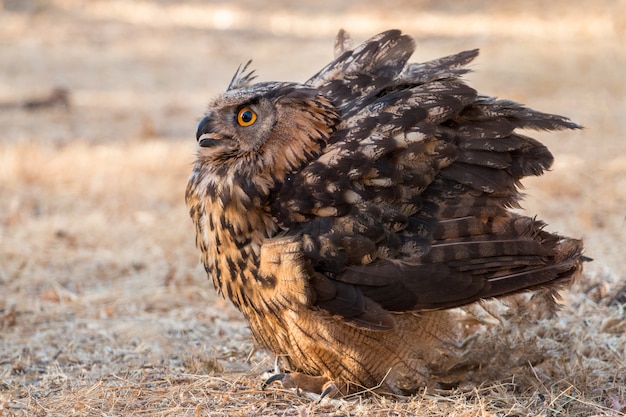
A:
x,y
231,227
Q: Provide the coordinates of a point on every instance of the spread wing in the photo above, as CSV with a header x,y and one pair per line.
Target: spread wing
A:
x,y
407,208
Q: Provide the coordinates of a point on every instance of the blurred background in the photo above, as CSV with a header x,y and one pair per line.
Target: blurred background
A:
x,y
99,101
147,68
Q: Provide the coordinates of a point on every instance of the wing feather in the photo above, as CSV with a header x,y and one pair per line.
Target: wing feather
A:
x,y
407,207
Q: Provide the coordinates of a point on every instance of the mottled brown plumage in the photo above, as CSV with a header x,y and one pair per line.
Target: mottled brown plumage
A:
x,y
343,216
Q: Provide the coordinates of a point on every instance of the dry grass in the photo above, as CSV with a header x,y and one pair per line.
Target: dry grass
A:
x,y
104,309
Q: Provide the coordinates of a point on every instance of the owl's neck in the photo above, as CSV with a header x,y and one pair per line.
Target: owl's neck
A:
x,y
231,225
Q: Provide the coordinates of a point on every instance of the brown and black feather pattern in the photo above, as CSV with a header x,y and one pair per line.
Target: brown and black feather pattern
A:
x,y
364,199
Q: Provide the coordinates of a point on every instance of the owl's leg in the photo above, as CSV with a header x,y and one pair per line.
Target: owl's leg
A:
x,y
315,384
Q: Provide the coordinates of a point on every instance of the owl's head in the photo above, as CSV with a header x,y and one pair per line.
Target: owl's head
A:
x,y
263,127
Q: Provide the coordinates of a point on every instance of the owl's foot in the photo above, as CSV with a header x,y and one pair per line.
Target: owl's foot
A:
x,y
315,384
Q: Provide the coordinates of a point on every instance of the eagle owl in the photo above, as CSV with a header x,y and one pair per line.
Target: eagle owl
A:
x,y
346,215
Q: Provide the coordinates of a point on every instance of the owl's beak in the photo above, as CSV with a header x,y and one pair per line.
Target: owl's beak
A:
x,y
208,141
203,131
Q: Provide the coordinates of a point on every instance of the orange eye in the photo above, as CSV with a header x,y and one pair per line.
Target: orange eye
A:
x,y
246,117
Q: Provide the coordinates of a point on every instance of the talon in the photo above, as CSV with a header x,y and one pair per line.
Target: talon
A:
x,y
275,377
306,383
330,389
